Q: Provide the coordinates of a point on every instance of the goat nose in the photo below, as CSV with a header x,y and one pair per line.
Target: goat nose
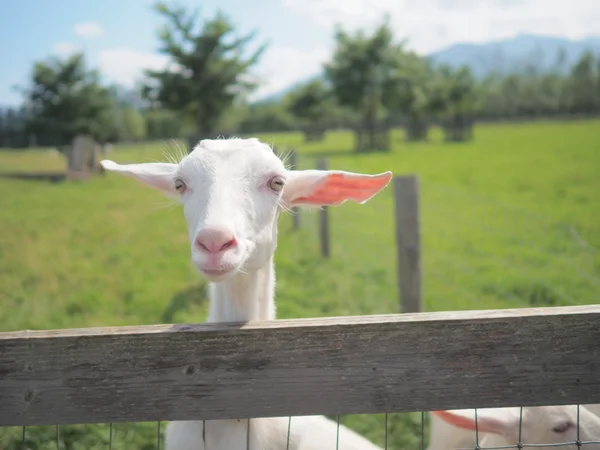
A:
x,y
215,240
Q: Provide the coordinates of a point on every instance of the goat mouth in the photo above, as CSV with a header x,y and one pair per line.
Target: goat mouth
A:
x,y
217,273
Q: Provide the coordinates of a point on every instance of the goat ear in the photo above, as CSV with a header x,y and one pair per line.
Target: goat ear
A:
x,y
156,175
489,420
331,187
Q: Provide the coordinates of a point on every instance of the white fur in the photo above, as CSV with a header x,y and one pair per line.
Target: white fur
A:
x,y
538,425
227,188
594,408
306,433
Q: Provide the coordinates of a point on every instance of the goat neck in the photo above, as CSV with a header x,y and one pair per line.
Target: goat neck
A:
x,y
245,296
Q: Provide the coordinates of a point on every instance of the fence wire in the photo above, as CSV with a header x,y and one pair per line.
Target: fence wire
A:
x,y
513,251
62,440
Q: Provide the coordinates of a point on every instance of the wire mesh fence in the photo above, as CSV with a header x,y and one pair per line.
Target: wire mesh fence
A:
x,y
480,250
504,255
545,429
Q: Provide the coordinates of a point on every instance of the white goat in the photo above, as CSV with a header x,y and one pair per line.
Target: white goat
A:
x,y
497,427
232,193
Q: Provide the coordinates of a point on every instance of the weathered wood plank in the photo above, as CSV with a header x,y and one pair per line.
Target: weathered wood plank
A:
x,y
403,362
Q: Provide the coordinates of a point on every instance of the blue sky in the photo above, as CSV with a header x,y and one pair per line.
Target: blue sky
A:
x,y
119,37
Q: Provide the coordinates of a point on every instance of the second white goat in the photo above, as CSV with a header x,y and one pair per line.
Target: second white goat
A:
x,y
497,427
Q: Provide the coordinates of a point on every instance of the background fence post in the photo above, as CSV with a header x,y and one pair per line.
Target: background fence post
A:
x,y
191,143
295,211
408,234
323,218
80,158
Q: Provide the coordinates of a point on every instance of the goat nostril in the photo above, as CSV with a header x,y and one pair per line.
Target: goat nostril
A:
x,y
226,245
202,246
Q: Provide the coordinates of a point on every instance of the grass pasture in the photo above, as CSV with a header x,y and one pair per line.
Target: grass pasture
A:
x,y
511,219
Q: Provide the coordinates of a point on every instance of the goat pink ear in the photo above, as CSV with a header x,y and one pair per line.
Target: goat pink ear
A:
x,y
331,187
489,420
155,175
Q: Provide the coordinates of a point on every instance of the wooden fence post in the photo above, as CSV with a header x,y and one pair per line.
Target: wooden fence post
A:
x,y
192,141
408,234
80,158
295,211
323,218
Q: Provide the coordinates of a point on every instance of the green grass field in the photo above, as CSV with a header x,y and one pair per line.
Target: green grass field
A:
x,y
511,219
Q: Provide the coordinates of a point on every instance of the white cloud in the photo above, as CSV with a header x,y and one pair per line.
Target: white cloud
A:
x,y
88,30
280,67
125,66
434,24
65,48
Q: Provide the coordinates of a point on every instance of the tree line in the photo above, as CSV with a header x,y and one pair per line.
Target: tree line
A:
x,y
371,80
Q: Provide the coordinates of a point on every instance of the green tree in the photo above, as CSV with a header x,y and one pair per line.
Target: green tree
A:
x,y
583,85
410,89
372,73
209,70
454,100
233,117
462,104
66,99
132,125
162,124
13,131
550,95
357,72
309,102
461,92
266,116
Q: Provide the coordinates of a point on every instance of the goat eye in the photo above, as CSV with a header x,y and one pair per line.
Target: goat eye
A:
x,y
180,185
561,428
276,183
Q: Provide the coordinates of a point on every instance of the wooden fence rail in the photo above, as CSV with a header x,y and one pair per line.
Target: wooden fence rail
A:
x,y
370,364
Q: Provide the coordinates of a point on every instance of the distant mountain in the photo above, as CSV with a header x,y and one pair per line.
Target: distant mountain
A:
x,y
517,54
509,55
